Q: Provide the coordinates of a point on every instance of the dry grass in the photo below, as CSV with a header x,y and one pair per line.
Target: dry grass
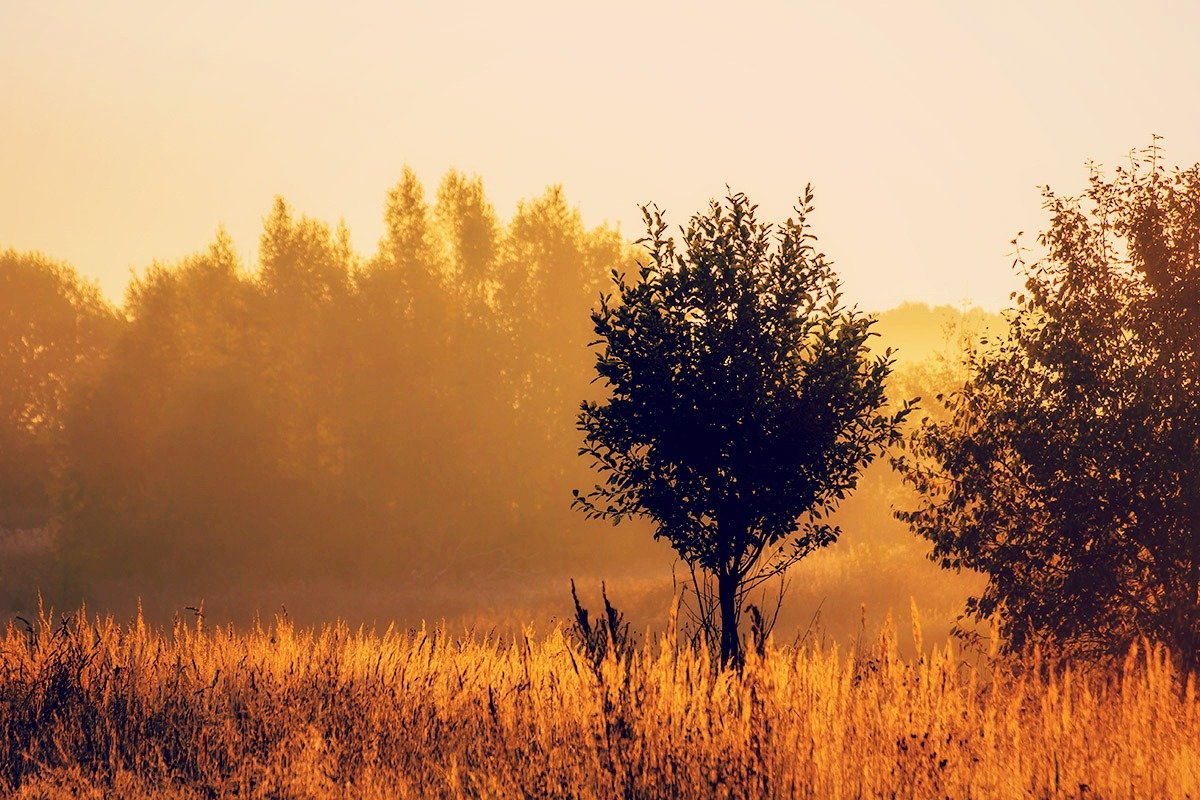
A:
x,y
91,708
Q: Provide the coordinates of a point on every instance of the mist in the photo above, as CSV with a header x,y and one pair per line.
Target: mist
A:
x,y
376,437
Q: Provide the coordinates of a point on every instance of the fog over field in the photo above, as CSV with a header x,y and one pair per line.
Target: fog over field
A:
x,y
767,399
377,438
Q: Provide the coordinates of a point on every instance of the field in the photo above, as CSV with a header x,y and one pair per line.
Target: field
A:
x,y
92,708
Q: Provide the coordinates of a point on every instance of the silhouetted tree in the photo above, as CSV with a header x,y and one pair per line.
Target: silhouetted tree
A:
x,y
1068,471
743,401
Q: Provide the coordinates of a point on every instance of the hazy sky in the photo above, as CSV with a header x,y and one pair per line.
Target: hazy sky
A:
x,y
132,130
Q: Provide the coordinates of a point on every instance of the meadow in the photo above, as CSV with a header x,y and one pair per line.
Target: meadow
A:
x,y
90,707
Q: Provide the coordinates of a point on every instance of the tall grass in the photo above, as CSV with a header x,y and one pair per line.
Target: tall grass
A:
x,y
89,707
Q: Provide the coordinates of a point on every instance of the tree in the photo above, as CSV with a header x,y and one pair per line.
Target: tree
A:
x,y
54,330
742,401
173,449
1068,471
410,265
469,225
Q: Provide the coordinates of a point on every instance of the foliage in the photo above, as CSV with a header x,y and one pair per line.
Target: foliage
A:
x,y
92,708
54,331
314,411
1068,468
743,400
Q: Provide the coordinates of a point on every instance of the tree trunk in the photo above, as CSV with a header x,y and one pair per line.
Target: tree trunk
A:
x,y
731,643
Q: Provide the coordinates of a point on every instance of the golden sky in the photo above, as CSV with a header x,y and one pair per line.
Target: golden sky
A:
x,y
131,130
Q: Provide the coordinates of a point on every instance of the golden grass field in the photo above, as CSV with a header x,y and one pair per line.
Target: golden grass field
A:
x,y
92,708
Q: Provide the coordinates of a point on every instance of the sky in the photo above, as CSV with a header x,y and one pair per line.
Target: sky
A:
x,y
132,130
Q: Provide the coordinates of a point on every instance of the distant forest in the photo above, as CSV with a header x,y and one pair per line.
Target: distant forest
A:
x,y
324,416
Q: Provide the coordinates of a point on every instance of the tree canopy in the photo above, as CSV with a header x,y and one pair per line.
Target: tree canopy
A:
x,y
314,411
54,330
742,401
1067,470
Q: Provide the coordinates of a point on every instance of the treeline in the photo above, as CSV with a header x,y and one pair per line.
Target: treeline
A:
x,y
411,417
320,420
317,412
